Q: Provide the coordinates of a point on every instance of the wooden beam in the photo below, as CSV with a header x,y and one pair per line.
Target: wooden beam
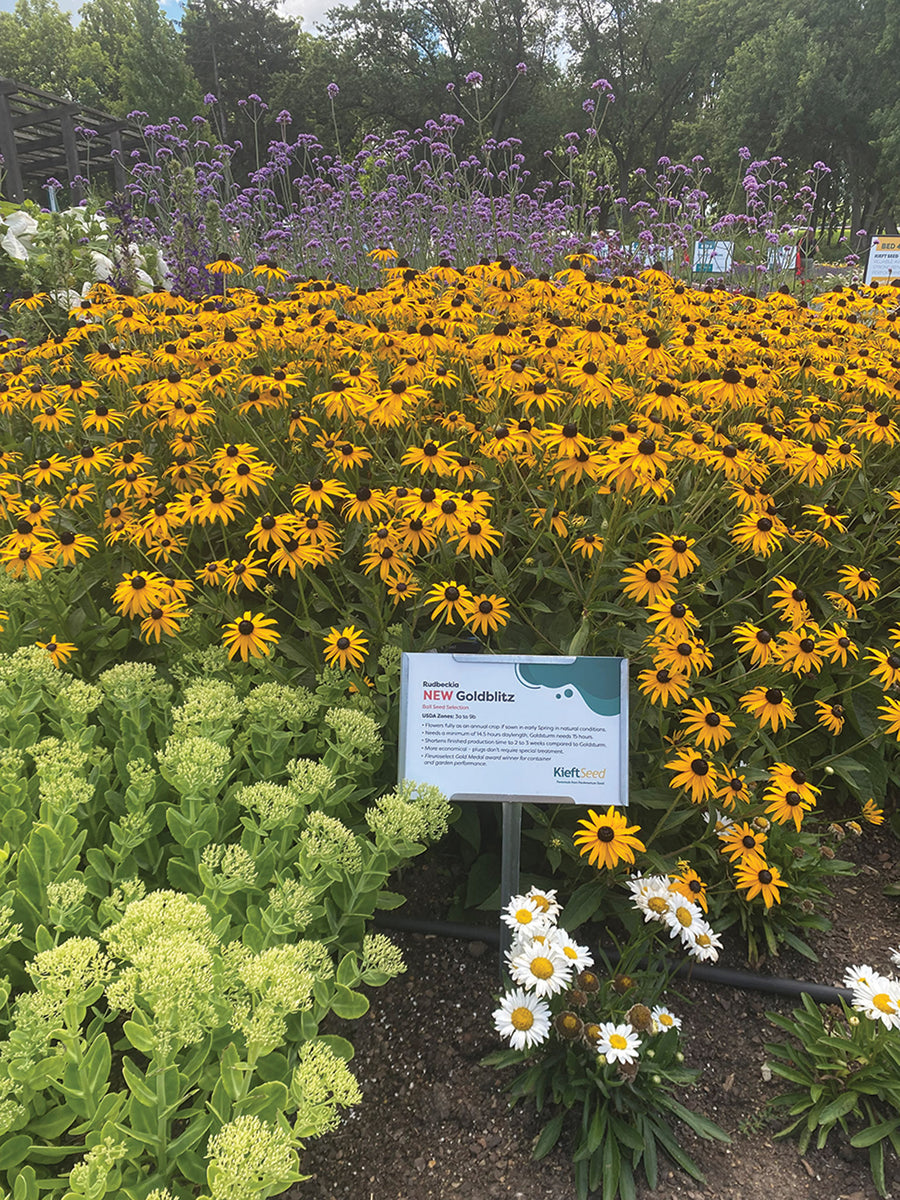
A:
x,y
12,184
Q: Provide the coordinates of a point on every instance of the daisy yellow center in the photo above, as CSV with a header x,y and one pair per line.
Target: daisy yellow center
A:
x,y
618,1042
685,916
658,904
665,1019
542,902
703,939
524,916
569,952
541,968
522,1018
884,1003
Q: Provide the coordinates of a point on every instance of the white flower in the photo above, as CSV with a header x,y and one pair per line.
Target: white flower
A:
x,y
683,917
523,1019
663,1019
546,901
524,915
895,957
706,945
861,976
543,970
652,896
879,1000
618,1043
578,957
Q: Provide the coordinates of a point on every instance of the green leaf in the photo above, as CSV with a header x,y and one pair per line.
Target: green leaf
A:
x,y
549,1136
138,1085
14,1150
348,970
140,1037
583,903
838,1108
876,1166
389,900
96,1066
874,1133
348,1004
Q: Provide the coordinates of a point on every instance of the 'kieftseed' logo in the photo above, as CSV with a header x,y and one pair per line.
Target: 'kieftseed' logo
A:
x,y
578,773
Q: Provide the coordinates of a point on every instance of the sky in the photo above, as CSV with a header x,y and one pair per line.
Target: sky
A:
x,y
310,11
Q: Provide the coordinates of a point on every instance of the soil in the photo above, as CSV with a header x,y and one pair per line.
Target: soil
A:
x,y
434,1123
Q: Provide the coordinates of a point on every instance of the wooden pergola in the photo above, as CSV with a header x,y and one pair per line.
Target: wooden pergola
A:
x,y
43,137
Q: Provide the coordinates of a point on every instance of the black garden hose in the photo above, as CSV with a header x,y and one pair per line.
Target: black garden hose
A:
x,y
822,993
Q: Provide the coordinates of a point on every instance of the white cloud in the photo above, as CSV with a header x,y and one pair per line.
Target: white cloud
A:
x,y
309,11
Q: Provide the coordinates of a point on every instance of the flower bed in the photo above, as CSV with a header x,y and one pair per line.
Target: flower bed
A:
x,y
315,477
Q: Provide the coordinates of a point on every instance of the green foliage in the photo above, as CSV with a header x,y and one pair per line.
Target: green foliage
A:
x,y
843,1074
188,872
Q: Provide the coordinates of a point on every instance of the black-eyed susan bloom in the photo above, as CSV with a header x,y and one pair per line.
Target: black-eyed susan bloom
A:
x,y
754,875
689,884
694,772
487,614
165,618
890,714
789,601
452,602
887,667
837,645
758,643
872,813
859,581
58,650
704,724
831,716
762,536
607,839
251,635
647,583
786,804
740,841
799,651
345,647
138,592
663,685
769,706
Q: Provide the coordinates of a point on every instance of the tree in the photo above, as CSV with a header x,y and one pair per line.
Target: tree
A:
x,y
132,56
36,46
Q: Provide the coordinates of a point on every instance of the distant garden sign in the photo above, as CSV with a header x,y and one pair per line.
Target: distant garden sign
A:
x,y
537,730
883,263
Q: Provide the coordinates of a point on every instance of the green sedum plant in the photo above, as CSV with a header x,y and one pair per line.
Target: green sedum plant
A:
x,y
189,869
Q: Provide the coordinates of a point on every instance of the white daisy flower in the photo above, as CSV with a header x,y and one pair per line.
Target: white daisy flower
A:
x,y
618,1043
579,957
545,898
542,970
654,898
663,1019
683,917
879,1000
522,1018
524,915
706,945
861,976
